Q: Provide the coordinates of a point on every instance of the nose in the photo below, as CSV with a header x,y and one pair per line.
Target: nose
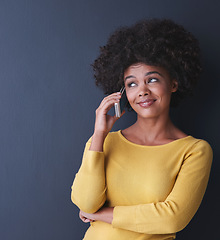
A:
x,y
144,91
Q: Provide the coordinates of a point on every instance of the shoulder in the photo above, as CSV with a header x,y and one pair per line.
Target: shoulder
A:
x,y
196,144
113,137
199,151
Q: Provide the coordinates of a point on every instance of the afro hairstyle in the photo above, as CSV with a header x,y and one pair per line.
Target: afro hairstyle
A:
x,y
155,42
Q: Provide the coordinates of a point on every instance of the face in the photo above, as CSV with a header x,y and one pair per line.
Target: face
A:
x,y
149,89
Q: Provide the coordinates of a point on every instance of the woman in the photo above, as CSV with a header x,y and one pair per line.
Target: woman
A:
x,y
146,181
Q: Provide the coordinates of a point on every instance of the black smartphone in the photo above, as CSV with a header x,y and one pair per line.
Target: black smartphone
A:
x,y
119,107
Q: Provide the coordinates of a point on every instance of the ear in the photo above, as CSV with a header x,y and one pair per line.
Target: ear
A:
x,y
174,85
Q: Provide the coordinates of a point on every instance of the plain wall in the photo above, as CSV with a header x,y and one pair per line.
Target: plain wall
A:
x,y
48,99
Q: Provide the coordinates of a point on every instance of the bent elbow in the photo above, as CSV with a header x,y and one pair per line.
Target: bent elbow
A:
x,y
177,218
176,224
87,205
91,208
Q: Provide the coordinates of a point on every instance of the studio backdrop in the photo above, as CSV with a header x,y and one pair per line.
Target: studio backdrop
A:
x,y
48,99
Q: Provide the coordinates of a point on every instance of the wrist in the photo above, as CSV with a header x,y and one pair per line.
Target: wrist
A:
x,y
105,215
100,134
98,139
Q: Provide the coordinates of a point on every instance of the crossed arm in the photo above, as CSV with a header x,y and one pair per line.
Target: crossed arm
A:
x,y
105,214
171,215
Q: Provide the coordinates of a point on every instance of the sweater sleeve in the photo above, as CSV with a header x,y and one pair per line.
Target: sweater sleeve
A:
x,y
89,188
173,214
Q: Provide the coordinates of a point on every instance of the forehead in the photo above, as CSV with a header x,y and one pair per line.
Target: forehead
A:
x,y
143,69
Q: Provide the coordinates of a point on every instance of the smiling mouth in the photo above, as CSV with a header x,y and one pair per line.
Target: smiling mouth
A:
x,y
146,103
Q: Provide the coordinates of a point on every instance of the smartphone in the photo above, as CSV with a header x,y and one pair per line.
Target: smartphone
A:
x,y
119,107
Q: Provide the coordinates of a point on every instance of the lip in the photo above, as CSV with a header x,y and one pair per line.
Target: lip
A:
x,y
146,103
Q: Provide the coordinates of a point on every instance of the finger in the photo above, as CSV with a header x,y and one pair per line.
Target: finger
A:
x,y
116,118
81,216
114,95
108,103
111,98
87,220
84,219
104,109
111,120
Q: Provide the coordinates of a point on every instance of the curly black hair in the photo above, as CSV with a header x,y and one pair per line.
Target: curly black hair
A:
x,y
155,42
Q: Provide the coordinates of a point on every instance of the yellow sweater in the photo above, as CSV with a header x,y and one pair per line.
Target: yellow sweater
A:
x,y
155,190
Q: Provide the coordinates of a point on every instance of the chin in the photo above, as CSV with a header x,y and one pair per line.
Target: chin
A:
x,y
150,113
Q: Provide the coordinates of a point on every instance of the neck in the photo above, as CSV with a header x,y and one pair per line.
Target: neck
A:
x,y
155,129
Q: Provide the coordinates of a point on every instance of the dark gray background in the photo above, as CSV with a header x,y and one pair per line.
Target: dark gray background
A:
x,y
48,98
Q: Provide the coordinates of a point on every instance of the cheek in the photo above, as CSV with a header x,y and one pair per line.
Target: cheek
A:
x,y
163,92
130,96
129,100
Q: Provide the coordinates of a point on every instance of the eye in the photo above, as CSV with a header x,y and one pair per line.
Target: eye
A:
x,y
132,84
152,80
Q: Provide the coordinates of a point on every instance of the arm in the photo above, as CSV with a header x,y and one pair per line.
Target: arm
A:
x,y
88,189
175,212
104,214
179,207
104,122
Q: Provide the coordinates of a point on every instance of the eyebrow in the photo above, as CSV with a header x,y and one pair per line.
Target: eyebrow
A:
x,y
147,74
